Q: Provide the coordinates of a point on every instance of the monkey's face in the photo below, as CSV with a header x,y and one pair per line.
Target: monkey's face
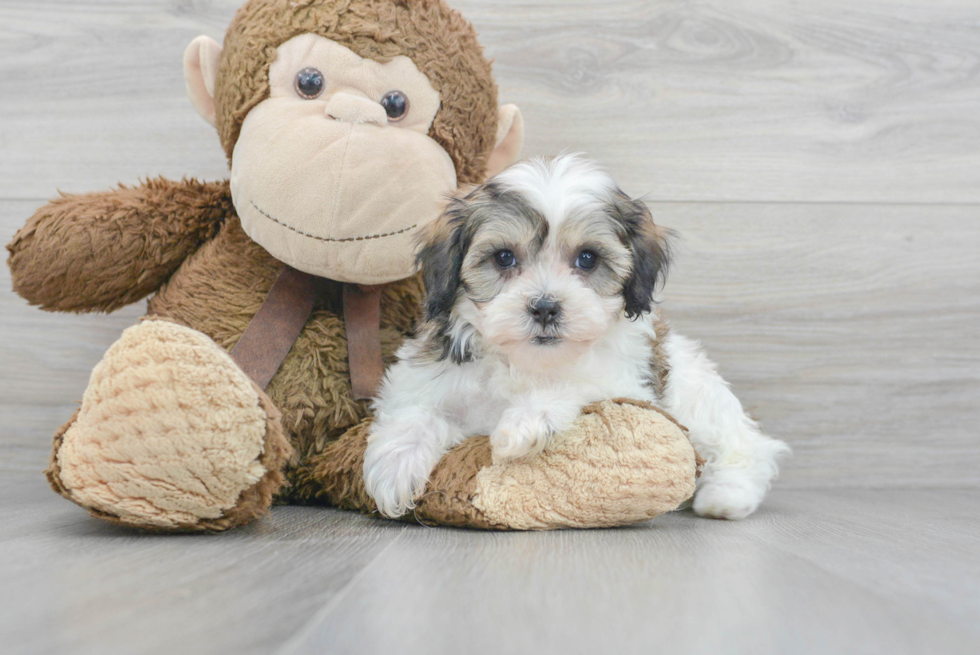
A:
x,y
335,173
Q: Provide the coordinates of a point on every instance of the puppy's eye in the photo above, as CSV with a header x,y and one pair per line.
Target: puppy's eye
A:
x,y
396,105
309,83
587,260
505,259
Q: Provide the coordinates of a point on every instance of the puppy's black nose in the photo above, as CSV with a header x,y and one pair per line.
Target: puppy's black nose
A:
x,y
545,311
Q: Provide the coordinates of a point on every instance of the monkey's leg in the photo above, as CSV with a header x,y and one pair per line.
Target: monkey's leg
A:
x,y
171,435
621,462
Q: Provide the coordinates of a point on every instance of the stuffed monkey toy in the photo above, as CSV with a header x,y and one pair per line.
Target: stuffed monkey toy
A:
x,y
276,297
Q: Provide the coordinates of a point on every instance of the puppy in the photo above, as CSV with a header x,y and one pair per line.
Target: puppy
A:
x,y
540,300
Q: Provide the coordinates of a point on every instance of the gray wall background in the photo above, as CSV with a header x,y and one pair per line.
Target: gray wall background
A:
x,y
821,160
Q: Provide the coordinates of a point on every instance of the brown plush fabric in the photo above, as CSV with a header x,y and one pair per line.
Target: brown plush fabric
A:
x,y
448,498
53,472
255,500
102,251
442,44
184,240
312,387
660,365
336,477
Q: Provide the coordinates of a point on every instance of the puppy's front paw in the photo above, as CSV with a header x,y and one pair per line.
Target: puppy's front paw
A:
x,y
727,499
519,434
395,475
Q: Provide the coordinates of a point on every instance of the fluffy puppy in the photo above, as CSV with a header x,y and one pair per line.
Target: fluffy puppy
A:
x,y
540,300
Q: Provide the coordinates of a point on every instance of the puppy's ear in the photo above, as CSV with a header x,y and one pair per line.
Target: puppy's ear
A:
x,y
650,246
440,257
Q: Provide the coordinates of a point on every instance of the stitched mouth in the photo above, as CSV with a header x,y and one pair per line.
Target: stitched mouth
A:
x,y
367,237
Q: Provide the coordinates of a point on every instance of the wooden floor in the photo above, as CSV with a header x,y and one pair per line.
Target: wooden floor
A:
x,y
821,161
828,571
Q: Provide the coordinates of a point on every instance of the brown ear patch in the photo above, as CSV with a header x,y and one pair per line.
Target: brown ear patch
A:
x,y
650,246
442,44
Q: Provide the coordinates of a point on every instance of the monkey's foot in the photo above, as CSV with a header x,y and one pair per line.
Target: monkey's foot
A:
x,y
171,435
622,462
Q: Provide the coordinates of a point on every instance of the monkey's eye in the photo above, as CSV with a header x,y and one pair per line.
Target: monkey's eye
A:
x,y
310,83
505,259
396,105
587,260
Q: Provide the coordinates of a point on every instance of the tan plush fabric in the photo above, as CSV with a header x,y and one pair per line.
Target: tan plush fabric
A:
x,y
170,431
510,140
201,61
349,76
442,44
343,199
622,462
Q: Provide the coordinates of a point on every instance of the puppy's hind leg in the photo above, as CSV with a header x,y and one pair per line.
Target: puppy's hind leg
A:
x,y
402,450
741,461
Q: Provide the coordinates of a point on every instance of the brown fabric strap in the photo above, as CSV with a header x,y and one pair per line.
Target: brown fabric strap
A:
x,y
274,329
362,318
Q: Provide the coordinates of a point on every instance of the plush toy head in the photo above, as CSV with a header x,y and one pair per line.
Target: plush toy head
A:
x,y
347,123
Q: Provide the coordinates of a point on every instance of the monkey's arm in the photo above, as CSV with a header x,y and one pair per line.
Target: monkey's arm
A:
x,y
101,251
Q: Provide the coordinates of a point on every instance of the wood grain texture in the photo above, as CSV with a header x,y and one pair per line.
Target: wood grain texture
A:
x,y
849,330
781,583
710,100
83,586
744,100
815,571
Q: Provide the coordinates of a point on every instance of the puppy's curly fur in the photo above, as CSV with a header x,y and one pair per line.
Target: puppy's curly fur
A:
x,y
540,300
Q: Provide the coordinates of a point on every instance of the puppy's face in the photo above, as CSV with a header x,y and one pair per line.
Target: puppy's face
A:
x,y
539,263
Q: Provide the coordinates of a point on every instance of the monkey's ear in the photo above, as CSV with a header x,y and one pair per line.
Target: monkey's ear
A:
x,y
200,72
510,140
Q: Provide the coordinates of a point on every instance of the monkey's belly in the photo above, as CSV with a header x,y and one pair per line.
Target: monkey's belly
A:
x,y
218,291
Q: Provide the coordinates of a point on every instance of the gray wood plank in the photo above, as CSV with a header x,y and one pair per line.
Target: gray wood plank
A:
x,y
45,360
715,100
815,572
74,584
827,100
118,110
849,330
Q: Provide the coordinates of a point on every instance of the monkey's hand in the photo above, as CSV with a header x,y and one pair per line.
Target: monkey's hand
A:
x,y
102,251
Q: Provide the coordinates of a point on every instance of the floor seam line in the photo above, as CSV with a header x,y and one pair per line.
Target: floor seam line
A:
x,y
310,624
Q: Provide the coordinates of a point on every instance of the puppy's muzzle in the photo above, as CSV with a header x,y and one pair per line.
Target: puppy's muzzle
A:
x,y
545,311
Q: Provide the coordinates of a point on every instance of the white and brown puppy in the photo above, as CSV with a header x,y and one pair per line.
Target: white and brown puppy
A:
x,y
540,301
